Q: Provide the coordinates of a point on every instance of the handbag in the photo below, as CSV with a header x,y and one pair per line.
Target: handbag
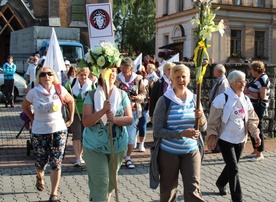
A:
x,y
64,109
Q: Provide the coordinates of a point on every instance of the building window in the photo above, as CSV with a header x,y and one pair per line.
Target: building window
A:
x,y
180,6
166,7
166,39
237,2
260,3
259,44
236,43
78,10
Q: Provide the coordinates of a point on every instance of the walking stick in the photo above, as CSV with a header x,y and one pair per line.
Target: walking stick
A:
x,y
198,97
111,144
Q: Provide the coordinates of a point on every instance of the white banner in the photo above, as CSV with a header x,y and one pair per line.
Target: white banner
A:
x,y
54,57
138,63
174,58
100,26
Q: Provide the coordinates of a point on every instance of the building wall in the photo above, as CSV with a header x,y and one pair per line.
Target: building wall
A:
x,y
247,18
269,125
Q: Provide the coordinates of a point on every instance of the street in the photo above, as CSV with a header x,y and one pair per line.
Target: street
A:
x,y
17,174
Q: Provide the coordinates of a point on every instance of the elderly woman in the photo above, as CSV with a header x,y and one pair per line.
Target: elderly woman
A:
x,y
258,91
176,138
96,138
79,88
49,131
231,117
134,85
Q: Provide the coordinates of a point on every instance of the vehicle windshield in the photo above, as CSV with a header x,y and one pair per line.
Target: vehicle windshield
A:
x,y
71,53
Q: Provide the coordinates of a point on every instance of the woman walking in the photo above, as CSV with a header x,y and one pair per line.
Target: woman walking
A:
x,y
49,131
231,117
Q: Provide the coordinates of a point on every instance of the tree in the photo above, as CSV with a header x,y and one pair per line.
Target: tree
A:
x,y
135,27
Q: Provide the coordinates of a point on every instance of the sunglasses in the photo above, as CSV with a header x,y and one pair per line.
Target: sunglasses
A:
x,y
43,74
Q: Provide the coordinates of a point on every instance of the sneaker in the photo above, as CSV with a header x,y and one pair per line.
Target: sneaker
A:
x,y
255,159
141,148
77,163
82,161
250,155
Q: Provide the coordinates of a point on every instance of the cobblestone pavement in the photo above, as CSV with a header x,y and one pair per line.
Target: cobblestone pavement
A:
x,y
17,175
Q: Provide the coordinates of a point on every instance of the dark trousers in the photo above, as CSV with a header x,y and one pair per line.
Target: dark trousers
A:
x,y
230,174
189,166
259,109
8,91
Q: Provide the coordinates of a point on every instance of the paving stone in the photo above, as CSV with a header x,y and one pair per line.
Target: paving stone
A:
x,y
17,173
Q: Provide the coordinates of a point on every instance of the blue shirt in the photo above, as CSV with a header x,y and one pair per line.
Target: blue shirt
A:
x,y
9,69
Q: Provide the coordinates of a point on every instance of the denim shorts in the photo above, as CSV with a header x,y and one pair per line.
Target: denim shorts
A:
x,y
132,129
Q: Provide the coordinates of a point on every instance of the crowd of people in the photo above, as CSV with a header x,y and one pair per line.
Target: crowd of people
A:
x,y
137,98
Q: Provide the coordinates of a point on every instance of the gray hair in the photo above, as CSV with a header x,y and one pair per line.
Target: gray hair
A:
x,y
221,68
235,75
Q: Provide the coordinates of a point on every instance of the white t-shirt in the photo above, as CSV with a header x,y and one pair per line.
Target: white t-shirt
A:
x,y
234,131
47,119
31,72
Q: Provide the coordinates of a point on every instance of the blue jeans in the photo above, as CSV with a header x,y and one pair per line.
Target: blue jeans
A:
x,y
142,125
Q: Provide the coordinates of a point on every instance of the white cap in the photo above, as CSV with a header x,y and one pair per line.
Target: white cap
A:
x,y
67,62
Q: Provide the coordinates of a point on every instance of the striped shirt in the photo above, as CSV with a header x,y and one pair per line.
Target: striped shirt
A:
x,y
180,118
254,86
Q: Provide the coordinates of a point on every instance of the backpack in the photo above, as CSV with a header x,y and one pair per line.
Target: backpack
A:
x,y
145,104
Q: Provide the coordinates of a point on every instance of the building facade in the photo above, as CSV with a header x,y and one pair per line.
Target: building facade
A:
x,y
250,32
20,14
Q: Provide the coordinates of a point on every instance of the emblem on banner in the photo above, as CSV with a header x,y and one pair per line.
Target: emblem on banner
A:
x,y
99,19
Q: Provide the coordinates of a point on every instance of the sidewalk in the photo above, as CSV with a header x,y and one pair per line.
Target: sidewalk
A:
x,y
17,175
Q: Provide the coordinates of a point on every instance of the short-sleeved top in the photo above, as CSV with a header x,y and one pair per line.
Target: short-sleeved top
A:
x,y
31,72
254,86
96,137
46,119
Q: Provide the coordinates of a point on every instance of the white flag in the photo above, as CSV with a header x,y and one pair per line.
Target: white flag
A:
x,y
138,63
174,58
54,57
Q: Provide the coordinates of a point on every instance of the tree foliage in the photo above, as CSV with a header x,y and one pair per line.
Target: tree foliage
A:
x,y
135,27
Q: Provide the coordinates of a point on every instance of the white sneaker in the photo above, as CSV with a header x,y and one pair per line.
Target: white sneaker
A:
x,y
77,163
82,161
141,148
255,159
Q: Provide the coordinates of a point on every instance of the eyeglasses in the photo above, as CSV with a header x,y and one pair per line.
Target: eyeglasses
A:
x,y
43,74
241,82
